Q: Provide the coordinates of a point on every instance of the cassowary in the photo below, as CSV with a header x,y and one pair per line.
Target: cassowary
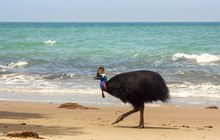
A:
x,y
136,88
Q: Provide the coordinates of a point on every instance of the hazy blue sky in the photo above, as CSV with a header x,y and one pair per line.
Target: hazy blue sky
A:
x,y
109,10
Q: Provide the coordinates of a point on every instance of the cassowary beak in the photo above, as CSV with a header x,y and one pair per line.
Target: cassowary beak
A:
x,y
97,78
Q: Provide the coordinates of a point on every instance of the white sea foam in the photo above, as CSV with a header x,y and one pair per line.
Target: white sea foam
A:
x,y
190,90
200,59
35,86
24,83
20,83
13,65
136,55
18,64
52,91
18,80
49,42
3,68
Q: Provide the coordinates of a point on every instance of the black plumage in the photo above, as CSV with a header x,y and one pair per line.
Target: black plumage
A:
x,y
136,88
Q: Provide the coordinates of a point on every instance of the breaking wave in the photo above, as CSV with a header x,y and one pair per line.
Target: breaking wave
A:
x,y
200,59
12,65
18,64
49,42
186,89
33,83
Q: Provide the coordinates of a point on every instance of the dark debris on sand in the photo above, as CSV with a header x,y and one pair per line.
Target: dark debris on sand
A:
x,y
70,105
211,107
24,135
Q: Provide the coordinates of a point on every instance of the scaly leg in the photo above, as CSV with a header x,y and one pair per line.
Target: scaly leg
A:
x,y
141,124
121,117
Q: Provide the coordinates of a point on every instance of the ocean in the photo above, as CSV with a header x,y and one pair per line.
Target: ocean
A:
x,y
56,62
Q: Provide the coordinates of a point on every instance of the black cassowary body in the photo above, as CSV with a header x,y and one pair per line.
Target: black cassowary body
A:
x,y
136,88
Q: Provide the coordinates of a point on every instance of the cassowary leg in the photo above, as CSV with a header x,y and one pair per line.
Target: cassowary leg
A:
x,y
141,124
121,117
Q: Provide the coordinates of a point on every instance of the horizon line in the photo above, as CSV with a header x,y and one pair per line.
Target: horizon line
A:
x,y
109,21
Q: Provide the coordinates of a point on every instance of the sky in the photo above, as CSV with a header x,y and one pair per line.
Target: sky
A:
x,y
109,10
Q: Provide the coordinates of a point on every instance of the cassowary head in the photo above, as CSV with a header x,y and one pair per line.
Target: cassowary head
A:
x,y
100,73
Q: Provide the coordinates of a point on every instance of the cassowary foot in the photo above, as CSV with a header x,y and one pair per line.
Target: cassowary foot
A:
x,y
140,126
120,118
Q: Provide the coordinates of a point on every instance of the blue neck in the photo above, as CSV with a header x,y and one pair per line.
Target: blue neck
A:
x,y
103,84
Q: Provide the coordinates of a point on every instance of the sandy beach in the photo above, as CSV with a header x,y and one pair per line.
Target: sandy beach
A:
x,y
164,122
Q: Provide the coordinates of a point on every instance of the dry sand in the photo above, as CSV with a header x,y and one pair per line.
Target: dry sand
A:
x,y
161,122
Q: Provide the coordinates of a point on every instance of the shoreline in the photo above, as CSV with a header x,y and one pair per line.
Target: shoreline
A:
x,y
162,122
96,100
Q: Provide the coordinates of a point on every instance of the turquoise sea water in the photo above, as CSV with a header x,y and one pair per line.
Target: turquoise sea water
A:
x,y
56,62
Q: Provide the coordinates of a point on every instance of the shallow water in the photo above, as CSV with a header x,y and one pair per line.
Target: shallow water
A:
x,y
57,61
